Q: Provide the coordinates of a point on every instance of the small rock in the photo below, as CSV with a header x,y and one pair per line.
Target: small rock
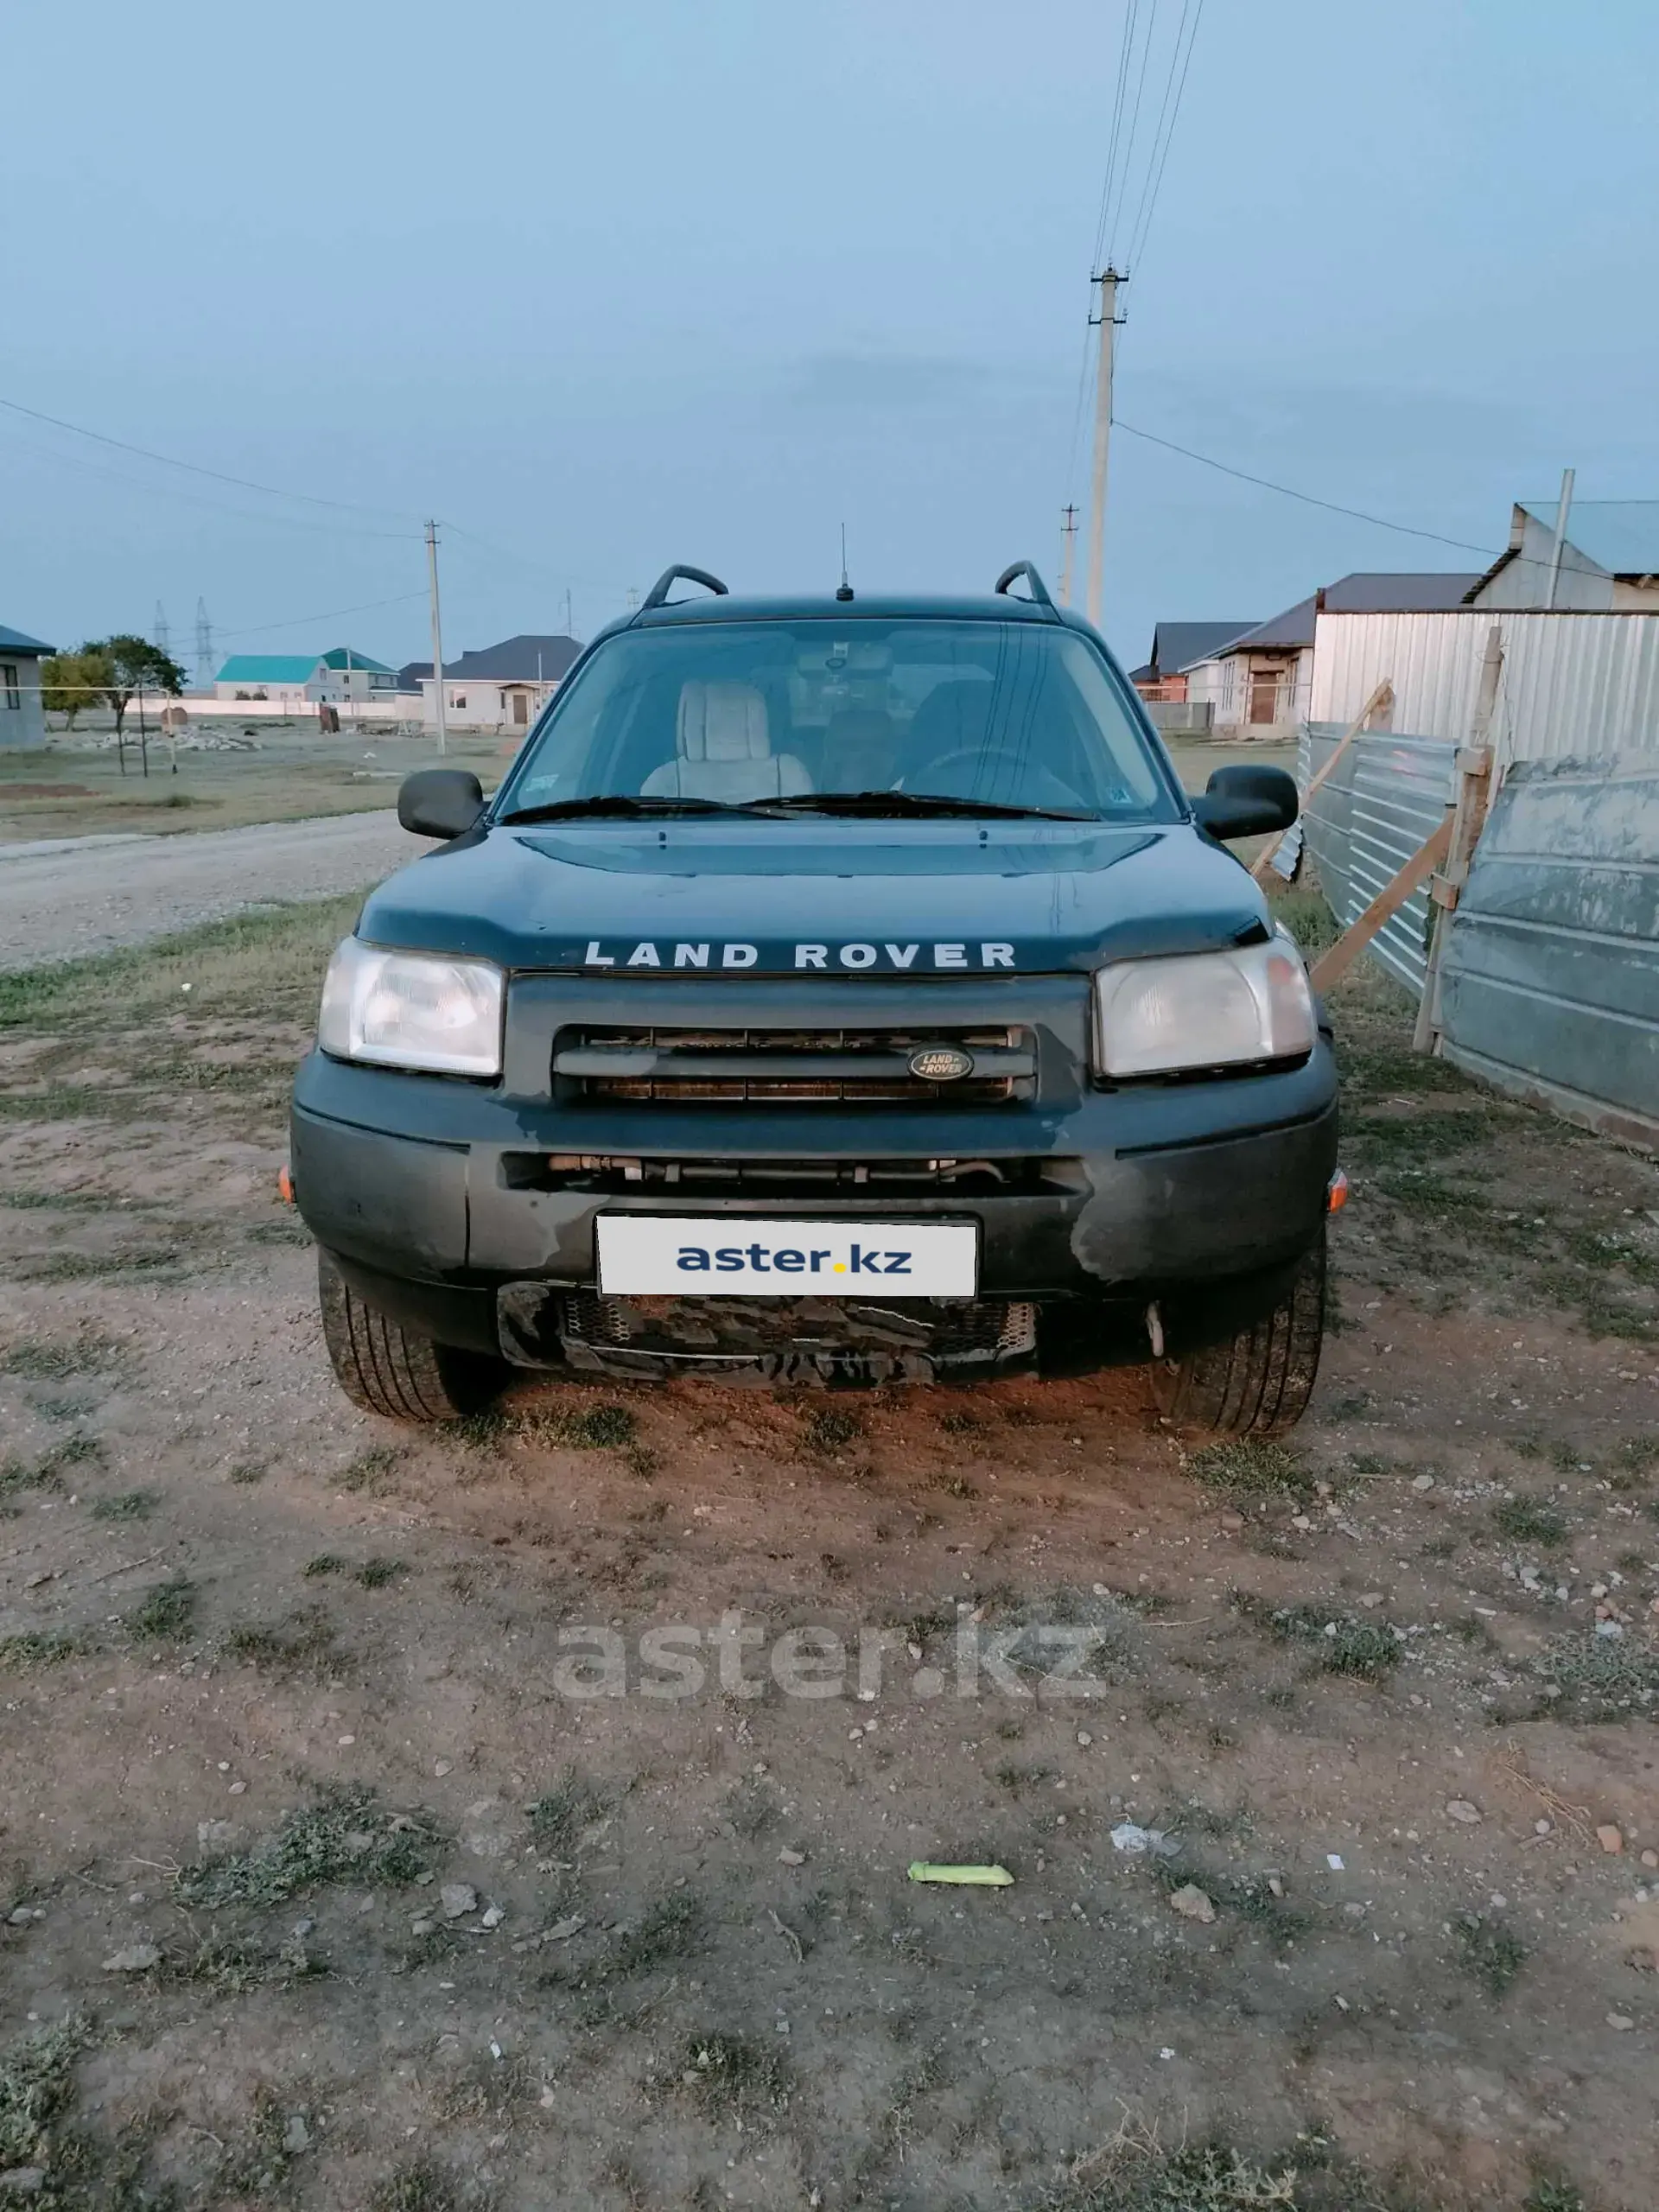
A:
x,y
1650,1858
1460,1809
1372,1600
238,1789
1422,1482
1275,1887
458,1900
1620,2020
297,2136
493,1917
23,2181
21,1918
1232,1521
443,1767
422,1927
788,1858
34,1581
563,1931
1083,1739
1611,1839
1543,1828
302,1929
138,1958
1192,1904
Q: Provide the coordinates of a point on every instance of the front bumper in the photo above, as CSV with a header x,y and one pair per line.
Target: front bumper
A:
x,y
1202,1195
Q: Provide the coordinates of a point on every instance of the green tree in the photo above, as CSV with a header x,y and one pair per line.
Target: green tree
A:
x,y
133,662
71,681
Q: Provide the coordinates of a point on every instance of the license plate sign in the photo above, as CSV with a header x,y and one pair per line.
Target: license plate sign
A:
x,y
657,1255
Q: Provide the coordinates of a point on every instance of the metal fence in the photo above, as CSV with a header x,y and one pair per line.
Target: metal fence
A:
x,y
1387,795
1550,985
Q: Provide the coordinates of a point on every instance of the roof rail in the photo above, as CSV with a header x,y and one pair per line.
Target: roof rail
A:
x,y
658,595
1038,588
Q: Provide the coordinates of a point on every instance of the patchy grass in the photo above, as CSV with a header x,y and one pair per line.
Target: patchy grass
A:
x,y
418,2185
369,1469
1597,1678
1525,1521
674,1928
247,1471
37,1359
37,2087
1368,1650
828,1428
375,1573
734,2076
1490,1952
1251,1466
166,1614
304,1645
348,1837
126,1505
596,1428
230,1967
1136,2174
557,1819
40,1647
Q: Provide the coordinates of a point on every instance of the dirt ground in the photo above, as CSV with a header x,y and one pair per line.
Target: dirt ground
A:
x,y
352,1854
74,787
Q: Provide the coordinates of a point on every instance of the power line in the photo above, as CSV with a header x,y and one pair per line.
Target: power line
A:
x,y
247,483
1141,228
1129,143
1307,499
200,499
329,614
1113,136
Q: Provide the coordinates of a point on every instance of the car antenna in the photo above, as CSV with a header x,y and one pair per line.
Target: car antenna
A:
x,y
844,590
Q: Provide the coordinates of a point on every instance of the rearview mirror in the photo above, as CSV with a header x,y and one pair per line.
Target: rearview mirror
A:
x,y
439,802
1246,802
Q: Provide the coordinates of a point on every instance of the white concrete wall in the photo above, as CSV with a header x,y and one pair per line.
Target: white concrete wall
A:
x,y
1576,686
472,703
22,724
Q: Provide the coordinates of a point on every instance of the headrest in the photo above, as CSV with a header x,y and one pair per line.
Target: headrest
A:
x,y
722,722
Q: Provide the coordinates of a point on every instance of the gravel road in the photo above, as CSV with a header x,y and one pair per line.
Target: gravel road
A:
x,y
68,897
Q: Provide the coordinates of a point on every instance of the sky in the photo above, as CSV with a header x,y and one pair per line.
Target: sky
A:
x,y
602,288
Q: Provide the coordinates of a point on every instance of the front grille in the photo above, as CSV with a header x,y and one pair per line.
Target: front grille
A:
x,y
936,1331
786,1179
791,1066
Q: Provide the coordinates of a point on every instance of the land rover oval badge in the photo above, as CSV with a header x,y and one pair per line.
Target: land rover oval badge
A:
x,y
940,1063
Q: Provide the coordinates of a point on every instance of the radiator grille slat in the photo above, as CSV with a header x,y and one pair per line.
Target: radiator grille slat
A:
x,y
791,1066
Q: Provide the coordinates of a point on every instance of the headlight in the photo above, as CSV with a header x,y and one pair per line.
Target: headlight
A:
x,y
412,1010
1208,1010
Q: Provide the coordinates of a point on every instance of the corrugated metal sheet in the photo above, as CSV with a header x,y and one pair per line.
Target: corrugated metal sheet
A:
x,y
1550,980
1575,686
1387,795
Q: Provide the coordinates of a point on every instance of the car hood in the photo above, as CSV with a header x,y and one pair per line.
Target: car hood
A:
x,y
787,897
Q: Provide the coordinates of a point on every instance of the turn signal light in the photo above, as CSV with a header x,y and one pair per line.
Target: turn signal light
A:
x,y
1336,1196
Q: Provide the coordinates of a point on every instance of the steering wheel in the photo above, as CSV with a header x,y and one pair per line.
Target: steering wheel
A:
x,y
976,758
989,762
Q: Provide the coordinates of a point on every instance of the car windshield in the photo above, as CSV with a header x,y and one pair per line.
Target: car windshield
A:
x,y
866,716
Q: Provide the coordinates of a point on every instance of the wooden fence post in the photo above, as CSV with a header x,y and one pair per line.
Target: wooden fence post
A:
x,y
1340,957
1383,696
1467,816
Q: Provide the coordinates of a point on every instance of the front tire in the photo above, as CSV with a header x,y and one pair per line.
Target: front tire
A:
x,y
1257,1382
394,1371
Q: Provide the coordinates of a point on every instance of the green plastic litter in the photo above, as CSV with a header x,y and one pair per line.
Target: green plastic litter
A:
x,y
988,1878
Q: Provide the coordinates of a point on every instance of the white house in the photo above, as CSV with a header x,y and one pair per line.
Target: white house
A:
x,y
500,687
1609,565
342,678
23,723
1261,683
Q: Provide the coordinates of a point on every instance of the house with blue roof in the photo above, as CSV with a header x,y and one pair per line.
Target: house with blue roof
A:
x,y
21,720
340,678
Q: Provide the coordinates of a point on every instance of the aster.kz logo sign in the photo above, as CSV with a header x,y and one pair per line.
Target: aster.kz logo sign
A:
x,y
655,1255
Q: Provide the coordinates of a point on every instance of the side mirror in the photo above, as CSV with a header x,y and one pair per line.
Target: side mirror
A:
x,y
1245,802
439,802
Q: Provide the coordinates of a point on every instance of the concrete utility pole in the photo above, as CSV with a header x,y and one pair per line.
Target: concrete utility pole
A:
x,y
437,627
569,618
1068,547
1107,318
1563,509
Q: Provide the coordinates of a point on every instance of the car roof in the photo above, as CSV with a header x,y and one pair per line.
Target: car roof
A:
x,y
885,607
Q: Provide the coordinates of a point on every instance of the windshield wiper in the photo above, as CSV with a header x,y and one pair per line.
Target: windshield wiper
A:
x,y
617,803
897,805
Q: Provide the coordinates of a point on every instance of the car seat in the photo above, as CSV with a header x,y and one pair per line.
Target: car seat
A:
x,y
723,750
